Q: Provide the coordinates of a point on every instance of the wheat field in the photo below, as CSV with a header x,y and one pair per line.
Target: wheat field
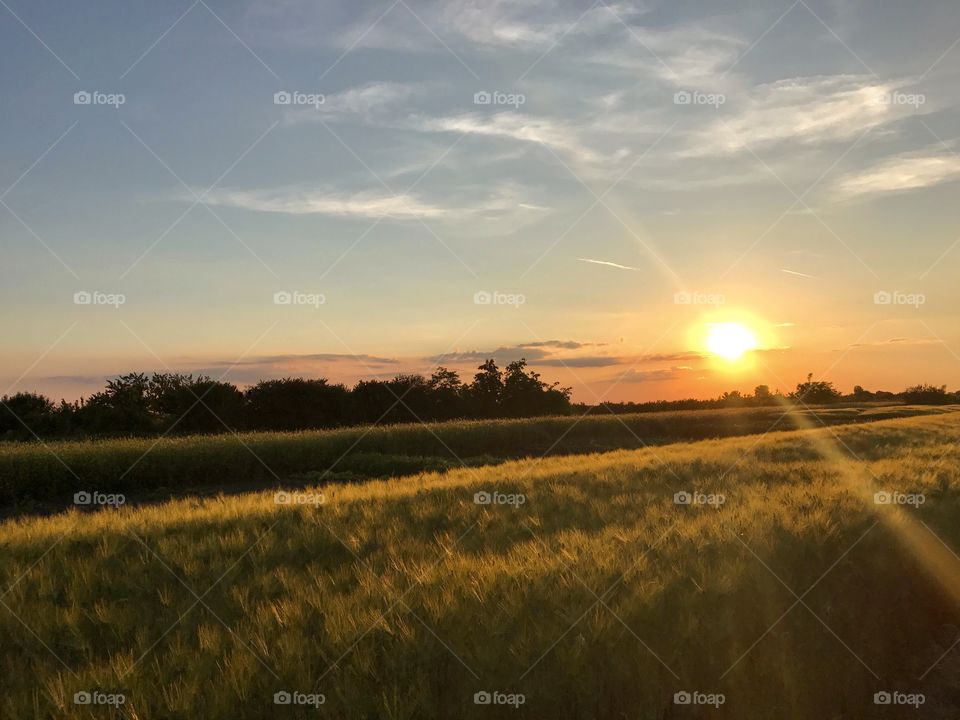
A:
x,y
794,575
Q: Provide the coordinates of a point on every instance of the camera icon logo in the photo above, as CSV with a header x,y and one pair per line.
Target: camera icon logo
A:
x,y
882,698
82,498
482,98
82,298
882,498
82,698
682,98
282,98
682,298
482,698
482,498
282,698
882,297
282,298
682,698
482,297
682,498
82,98
281,498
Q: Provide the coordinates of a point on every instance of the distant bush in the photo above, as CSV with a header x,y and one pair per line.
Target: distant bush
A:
x,y
927,395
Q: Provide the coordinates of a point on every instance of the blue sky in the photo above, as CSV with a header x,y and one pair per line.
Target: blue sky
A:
x,y
792,159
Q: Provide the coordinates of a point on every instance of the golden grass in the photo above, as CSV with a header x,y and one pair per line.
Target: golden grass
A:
x,y
598,597
54,471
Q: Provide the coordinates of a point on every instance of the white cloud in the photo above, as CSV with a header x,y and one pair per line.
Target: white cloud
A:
x,y
553,133
501,203
294,201
900,174
801,110
368,102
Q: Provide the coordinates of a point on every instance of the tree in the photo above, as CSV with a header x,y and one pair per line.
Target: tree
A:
x,y
121,408
371,401
447,394
762,392
525,394
26,415
295,404
815,391
926,395
486,390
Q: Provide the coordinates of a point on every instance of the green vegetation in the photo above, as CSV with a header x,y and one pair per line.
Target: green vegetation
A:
x,y
55,471
596,597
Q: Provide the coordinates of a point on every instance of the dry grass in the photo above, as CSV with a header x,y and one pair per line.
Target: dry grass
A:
x,y
599,597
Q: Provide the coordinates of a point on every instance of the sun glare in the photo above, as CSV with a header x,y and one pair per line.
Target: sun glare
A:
x,y
729,340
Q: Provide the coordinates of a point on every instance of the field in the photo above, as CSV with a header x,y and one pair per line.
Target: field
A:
x,y
583,590
39,476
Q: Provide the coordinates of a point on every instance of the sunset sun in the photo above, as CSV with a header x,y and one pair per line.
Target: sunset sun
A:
x,y
729,340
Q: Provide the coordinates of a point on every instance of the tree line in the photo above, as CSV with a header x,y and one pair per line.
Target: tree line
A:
x,y
811,392
175,403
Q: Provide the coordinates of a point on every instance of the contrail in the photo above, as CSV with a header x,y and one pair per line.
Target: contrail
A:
x,y
605,262
798,274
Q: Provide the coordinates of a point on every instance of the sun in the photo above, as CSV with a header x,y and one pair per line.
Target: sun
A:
x,y
729,340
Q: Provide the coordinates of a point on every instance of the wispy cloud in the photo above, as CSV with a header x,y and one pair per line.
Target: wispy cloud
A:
x,y
806,110
499,202
554,133
798,274
296,201
899,174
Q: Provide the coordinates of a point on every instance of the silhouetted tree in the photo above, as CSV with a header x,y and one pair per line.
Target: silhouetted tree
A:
x,y
122,408
26,415
295,404
447,394
371,401
815,391
927,395
185,404
486,390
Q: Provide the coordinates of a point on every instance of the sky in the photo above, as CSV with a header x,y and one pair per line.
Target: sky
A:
x,y
257,189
